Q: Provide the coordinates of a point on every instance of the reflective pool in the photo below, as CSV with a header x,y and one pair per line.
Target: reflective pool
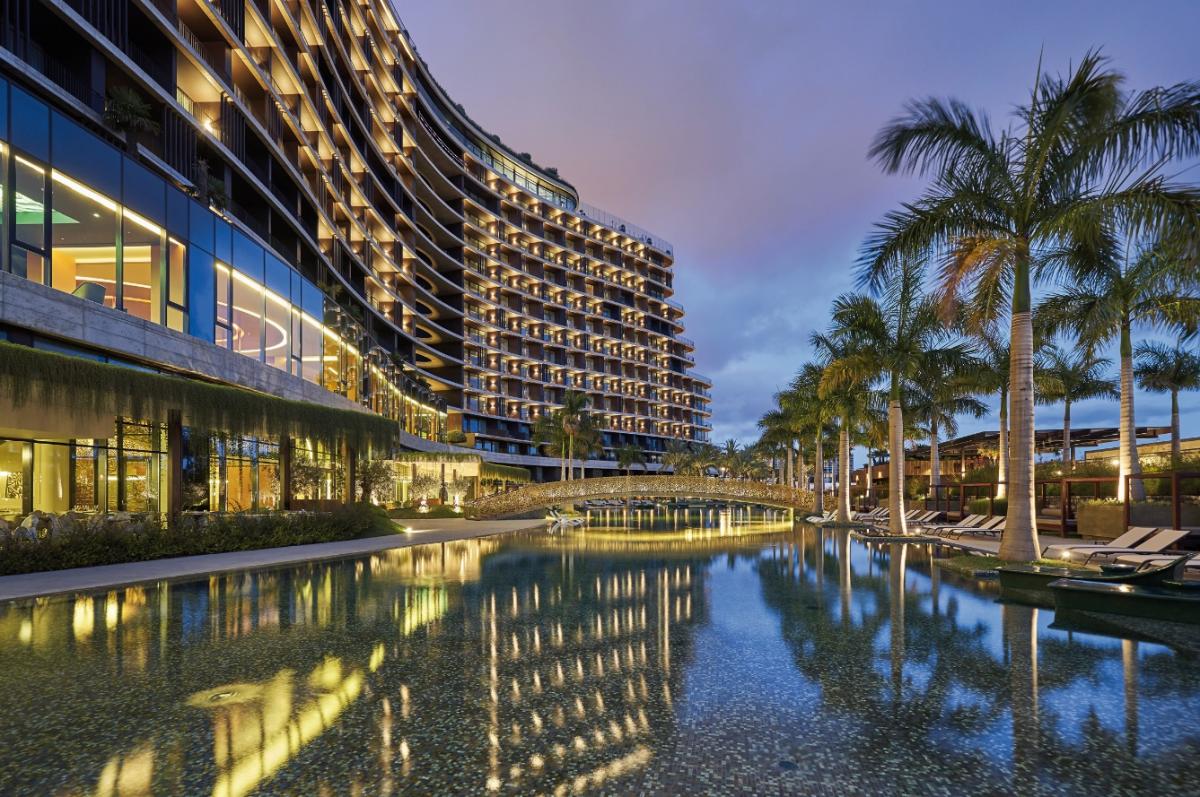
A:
x,y
736,659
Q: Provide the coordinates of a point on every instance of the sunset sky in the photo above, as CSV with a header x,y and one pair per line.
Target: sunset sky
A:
x,y
739,132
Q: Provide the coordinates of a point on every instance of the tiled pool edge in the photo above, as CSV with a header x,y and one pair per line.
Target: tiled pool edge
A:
x,y
89,579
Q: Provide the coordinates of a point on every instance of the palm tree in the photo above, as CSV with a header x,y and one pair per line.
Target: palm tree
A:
x,y
992,378
629,455
1166,369
1070,377
775,440
548,433
850,402
802,402
778,431
938,396
687,459
567,427
893,338
1000,210
1110,295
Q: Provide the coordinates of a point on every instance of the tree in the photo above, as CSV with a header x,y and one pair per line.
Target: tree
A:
x,y
376,480
801,402
992,378
1167,369
688,459
892,339
850,402
1070,377
938,396
628,456
1001,210
1111,295
566,429
128,111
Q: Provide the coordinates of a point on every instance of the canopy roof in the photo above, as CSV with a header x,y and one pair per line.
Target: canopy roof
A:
x,y
1045,441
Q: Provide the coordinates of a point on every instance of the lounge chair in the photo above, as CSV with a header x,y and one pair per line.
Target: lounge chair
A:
x,y
922,518
968,521
1129,538
1156,544
817,520
1143,561
993,525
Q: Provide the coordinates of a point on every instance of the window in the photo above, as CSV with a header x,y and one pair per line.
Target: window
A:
x,y
247,316
84,233
277,331
177,288
223,334
29,220
141,273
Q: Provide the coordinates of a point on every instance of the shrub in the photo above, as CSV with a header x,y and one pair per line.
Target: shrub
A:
x,y
85,544
979,506
410,513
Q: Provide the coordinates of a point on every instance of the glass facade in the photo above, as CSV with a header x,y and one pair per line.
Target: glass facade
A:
x,y
83,218
126,472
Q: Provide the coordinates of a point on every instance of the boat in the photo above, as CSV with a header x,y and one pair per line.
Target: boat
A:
x,y
1175,601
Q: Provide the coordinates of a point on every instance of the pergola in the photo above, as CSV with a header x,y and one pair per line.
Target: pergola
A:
x,y
1046,441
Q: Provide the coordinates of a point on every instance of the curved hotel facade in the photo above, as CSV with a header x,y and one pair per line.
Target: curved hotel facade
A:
x,y
276,195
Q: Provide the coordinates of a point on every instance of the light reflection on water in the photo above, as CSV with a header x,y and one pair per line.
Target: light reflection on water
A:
x,y
741,656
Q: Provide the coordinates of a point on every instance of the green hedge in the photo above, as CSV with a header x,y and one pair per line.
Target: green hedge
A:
x,y
979,506
411,513
113,543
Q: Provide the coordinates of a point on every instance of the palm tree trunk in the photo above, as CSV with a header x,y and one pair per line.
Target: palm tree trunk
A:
x,y
1129,455
788,473
1068,456
819,477
870,487
935,460
571,458
843,514
896,522
1002,458
1176,452
1020,539
801,469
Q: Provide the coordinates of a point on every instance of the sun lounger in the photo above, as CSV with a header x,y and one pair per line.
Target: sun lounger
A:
x,y
1156,544
1145,561
1130,538
991,525
968,521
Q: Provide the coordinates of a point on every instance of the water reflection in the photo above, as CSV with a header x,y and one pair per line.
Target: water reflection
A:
x,y
739,655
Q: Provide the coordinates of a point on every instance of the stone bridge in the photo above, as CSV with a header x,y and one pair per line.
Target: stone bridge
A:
x,y
706,488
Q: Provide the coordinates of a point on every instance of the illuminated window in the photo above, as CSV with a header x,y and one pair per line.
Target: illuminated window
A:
x,y
84,232
176,285
141,272
247,316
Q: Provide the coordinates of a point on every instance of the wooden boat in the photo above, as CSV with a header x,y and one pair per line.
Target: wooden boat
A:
x,y
1176,601
1031,583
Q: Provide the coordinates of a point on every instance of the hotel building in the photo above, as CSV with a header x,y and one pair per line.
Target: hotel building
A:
x,y
277,196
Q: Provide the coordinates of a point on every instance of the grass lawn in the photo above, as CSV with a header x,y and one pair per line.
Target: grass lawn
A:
x,y
970,564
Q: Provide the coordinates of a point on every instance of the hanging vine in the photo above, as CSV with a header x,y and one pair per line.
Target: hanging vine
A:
x,y
33,376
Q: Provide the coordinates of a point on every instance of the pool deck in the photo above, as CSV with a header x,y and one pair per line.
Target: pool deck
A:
x,y
83,579
992,544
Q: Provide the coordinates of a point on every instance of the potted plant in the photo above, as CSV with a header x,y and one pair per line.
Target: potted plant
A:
x,y
128,112
209,188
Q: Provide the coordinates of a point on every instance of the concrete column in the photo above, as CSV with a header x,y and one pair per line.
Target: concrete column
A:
x,y
286,453
174,463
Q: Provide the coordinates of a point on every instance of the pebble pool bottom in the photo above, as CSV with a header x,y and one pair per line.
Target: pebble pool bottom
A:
x,y
750,658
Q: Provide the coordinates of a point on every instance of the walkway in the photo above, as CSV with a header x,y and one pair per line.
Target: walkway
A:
x,y
82,579
992,544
